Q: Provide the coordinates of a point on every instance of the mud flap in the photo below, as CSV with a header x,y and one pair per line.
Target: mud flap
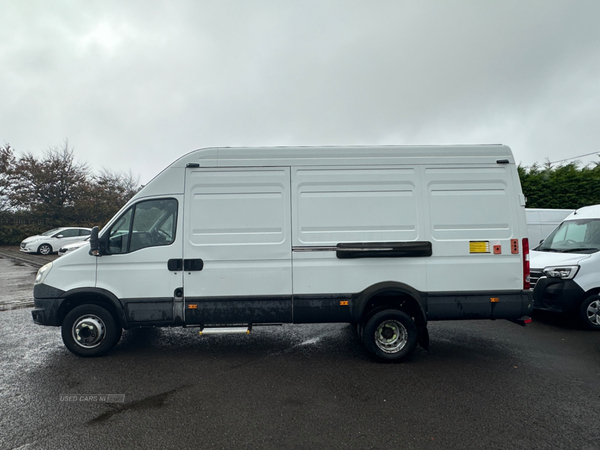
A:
x,y
521,321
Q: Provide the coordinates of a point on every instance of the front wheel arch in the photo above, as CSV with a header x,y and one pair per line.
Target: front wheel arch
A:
x,y
99,297
589,312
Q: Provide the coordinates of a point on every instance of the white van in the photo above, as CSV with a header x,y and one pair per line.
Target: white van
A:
x,y
565,268
542,221
227,239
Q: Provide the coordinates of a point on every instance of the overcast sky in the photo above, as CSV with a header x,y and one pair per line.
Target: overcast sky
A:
x,y
136,84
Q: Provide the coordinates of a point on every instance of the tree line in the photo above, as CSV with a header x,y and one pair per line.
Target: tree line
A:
x,y
561,187
40,193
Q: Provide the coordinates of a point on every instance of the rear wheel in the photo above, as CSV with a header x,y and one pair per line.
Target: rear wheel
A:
x,y
90,330
589,313
390,335
44,249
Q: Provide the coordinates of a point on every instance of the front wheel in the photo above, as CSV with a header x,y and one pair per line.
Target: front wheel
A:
x,y
589,313
390,335
44,249
90,330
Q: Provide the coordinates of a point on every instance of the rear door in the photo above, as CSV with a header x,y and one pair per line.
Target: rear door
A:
x,y
237,245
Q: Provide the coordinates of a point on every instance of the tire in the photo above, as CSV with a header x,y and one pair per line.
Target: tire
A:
x,y
90,330
44,249
589,312
390,336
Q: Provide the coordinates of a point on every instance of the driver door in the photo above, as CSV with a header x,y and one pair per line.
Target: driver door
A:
x,y
135,265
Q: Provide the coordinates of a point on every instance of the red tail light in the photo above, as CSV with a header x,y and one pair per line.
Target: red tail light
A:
x,y
526,268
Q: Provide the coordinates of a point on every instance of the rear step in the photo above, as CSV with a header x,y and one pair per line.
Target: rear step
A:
x,y
225,330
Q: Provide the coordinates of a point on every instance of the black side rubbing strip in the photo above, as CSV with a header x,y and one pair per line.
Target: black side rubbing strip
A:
x,y
349,250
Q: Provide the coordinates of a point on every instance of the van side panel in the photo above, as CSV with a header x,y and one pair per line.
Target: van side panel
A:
x,y
335,205
237,222
474,214
471,210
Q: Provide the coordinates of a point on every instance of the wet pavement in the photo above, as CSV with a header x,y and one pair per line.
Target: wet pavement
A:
x,y
17,273
16,284
485,384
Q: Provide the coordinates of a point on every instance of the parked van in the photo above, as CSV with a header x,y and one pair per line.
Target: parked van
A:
x,y
228,239
566,268
542,221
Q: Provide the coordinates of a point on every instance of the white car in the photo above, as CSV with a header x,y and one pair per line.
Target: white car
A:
x,y
52,240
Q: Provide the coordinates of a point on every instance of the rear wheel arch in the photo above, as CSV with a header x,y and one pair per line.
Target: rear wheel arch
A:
x,y
390,295
393,296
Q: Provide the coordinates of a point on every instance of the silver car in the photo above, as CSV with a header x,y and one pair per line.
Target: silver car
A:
x,y
52,240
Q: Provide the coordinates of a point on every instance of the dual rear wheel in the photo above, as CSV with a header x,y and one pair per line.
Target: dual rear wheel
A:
x,y
390,335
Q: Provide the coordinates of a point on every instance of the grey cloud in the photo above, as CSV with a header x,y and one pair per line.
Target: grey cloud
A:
x,y
136,84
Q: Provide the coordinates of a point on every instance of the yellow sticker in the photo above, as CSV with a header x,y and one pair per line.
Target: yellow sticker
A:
x,y
479,247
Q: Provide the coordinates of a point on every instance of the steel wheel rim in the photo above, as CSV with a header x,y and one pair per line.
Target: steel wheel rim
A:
x,y
45,249
593,311
88,331
391,336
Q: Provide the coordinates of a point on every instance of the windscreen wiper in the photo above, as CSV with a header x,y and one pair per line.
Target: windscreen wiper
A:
x,y
580,249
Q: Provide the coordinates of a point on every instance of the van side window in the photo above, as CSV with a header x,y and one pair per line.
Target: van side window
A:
x,y
148,223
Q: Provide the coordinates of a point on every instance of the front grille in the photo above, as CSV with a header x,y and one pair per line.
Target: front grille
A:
x,y
535,276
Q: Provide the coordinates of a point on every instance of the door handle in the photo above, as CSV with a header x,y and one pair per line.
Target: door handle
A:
x,y
192,265
175,265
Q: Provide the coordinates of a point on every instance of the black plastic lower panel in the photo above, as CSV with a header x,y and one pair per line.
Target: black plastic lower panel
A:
x,y
492,305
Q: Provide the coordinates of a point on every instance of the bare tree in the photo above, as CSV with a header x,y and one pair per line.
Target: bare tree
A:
x,y
7,168
50,185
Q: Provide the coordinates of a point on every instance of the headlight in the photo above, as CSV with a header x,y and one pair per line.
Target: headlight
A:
x,y
563,272
43,273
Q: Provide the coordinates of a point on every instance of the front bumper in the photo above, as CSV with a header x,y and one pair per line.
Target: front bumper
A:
x,y
47,301
45,311
555,294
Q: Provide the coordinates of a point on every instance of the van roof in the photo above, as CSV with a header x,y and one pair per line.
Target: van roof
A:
x,y
350,155
587,212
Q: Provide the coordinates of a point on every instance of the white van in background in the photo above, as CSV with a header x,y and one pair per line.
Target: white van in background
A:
x,y
565,268
228,239
541,222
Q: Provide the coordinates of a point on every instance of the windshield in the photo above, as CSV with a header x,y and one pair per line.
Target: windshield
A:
x,y
50,232
573,236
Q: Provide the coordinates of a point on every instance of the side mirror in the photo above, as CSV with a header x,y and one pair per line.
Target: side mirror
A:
x,y
94,243
59,236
